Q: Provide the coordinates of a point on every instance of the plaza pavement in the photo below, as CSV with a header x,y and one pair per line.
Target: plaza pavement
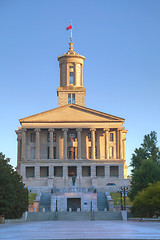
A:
x,y
80,230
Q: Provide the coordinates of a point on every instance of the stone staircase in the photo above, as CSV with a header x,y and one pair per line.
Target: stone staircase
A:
x,y
73,216
101,201
45,202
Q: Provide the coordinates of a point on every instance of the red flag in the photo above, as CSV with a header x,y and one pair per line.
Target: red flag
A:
x,y
69,27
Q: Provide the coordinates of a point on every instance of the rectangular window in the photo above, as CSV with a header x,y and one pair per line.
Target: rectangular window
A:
x,y
54,152
86,171
58,171
33,137
29,172
114,171
44,172
111,137
73,98
100,171
69,98
71,77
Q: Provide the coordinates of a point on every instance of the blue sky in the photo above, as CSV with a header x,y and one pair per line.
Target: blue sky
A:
x,y
121,43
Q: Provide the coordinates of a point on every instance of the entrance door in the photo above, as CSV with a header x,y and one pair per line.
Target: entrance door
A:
x,y
73,203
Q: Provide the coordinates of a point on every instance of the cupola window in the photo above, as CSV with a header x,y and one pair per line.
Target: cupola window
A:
x,y
71,98
71,77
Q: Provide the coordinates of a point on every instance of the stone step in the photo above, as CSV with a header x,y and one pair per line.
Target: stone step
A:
x,y
101,201
73,216
45,202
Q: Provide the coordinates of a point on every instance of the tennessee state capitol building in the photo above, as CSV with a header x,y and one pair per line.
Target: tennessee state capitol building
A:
x,y
72,138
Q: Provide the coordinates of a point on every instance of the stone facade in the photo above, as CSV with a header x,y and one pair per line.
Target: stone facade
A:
x,y
72,139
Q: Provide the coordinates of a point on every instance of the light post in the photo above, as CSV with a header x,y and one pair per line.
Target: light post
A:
x,y
123,191
119,191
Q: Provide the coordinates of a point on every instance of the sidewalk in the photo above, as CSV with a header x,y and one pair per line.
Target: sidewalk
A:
x,y
80,230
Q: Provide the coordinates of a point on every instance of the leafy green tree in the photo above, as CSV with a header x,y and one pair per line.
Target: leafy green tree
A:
x,y
146,164
149,172
148,150
147,202
13,195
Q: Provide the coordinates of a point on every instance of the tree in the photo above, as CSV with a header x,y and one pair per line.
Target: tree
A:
x,y
147,202
13,195
149,172
148,150
146,164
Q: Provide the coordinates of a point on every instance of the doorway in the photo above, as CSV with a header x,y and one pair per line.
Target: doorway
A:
x,y
73,203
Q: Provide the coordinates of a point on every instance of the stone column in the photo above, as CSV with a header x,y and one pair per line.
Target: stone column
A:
x,y
92,143
51,130
120,143
24,143
79,142
106,143
37,130
65,142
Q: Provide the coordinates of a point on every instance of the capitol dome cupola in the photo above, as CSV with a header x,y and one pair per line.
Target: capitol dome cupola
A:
x,y
71,88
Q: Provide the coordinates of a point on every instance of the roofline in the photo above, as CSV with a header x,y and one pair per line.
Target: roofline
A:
x,y
77,106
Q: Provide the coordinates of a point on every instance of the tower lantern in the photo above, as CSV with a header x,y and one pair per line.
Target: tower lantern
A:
x,y
71,88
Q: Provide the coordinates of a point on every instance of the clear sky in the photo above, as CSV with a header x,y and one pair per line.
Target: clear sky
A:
x,y
121,42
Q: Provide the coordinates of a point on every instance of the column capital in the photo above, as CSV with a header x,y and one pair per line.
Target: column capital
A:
x,y
106,129
92,129
51,129
37,129
119,129
65,129
79,129
24,130
18,132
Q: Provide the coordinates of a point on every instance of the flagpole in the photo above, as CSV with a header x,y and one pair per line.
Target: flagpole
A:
x,y
71,29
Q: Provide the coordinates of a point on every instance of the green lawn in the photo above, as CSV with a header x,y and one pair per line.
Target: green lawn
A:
x,y
117,201
32,197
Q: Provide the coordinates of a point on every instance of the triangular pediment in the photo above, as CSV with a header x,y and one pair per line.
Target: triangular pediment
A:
x,y
71,113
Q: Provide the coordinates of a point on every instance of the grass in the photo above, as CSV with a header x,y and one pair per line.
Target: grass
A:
x,y
117,199
32,197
